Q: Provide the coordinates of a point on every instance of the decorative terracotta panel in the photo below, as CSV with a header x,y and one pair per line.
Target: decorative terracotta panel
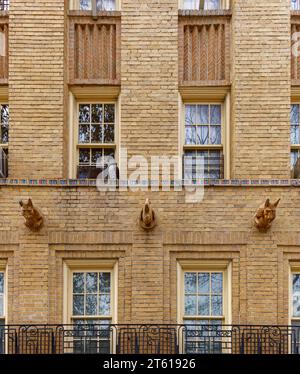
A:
x,y
204,50
94,50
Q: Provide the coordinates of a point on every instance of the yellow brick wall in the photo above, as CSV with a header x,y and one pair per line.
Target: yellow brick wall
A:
x,y
81,222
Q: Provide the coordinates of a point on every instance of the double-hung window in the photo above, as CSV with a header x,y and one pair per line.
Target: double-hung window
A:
x,y
91,310
204,4
295,140
203,310
96,140
295,310
203,141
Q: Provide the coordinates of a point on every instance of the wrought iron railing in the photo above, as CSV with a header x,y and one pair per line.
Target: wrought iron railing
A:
x,y
4,4
149,339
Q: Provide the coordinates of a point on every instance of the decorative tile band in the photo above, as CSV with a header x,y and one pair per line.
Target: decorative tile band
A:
x,y
205,182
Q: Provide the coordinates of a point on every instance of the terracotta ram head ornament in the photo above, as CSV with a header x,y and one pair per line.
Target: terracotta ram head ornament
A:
x,y
33,218
265,215
147,217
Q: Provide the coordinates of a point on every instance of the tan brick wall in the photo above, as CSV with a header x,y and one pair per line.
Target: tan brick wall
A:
x,y
36,88
261,89
81,222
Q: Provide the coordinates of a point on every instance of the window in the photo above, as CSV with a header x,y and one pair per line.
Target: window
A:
x,y
295,4
96,144
295,310
4,108
4,4
204,4
203,149
2,310
295,141
92,311
100,5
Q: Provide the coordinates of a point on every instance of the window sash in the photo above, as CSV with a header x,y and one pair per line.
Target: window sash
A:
x,y
3,297
3,144
199,294
295,4
202,4
97,294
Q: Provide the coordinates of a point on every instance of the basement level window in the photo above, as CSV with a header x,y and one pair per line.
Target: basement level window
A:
x,y
4,4
204,4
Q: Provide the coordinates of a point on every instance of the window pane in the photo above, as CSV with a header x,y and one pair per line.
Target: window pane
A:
x,y
295,4
295,134
212,4
97,157
85,5
91,282
190,135
84,156
96,132
106,4
203,305
190,115
202,135
104,282
191,4
91,305
202,115
296,305
294,158
1,306
78,283
97,113
203,281
190,306
190,283
109,113
217,283
78,305
216,304
215,115
84,113
104,305
4,123
84,134
296,283
109,134
295,114
215,135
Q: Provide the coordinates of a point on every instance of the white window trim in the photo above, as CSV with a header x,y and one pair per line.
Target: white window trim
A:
x,y
71,266
90,98
225,129
184,266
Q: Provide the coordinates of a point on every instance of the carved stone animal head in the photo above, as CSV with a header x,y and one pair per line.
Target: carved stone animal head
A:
x,y
33,219
147,217
265,215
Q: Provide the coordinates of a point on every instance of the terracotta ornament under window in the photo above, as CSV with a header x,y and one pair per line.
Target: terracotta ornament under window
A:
x,y
147,217
265,215
33,219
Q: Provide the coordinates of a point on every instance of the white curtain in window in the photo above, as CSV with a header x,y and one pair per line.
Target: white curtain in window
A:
x,y
212,4
106,4
191,4
85,5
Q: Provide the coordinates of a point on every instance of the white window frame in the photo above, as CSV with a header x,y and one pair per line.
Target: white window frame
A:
x,y
185,266
225,129
225,4
76,265
90,97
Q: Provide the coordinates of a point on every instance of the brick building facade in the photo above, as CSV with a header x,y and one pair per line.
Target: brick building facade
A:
x,y
149,65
